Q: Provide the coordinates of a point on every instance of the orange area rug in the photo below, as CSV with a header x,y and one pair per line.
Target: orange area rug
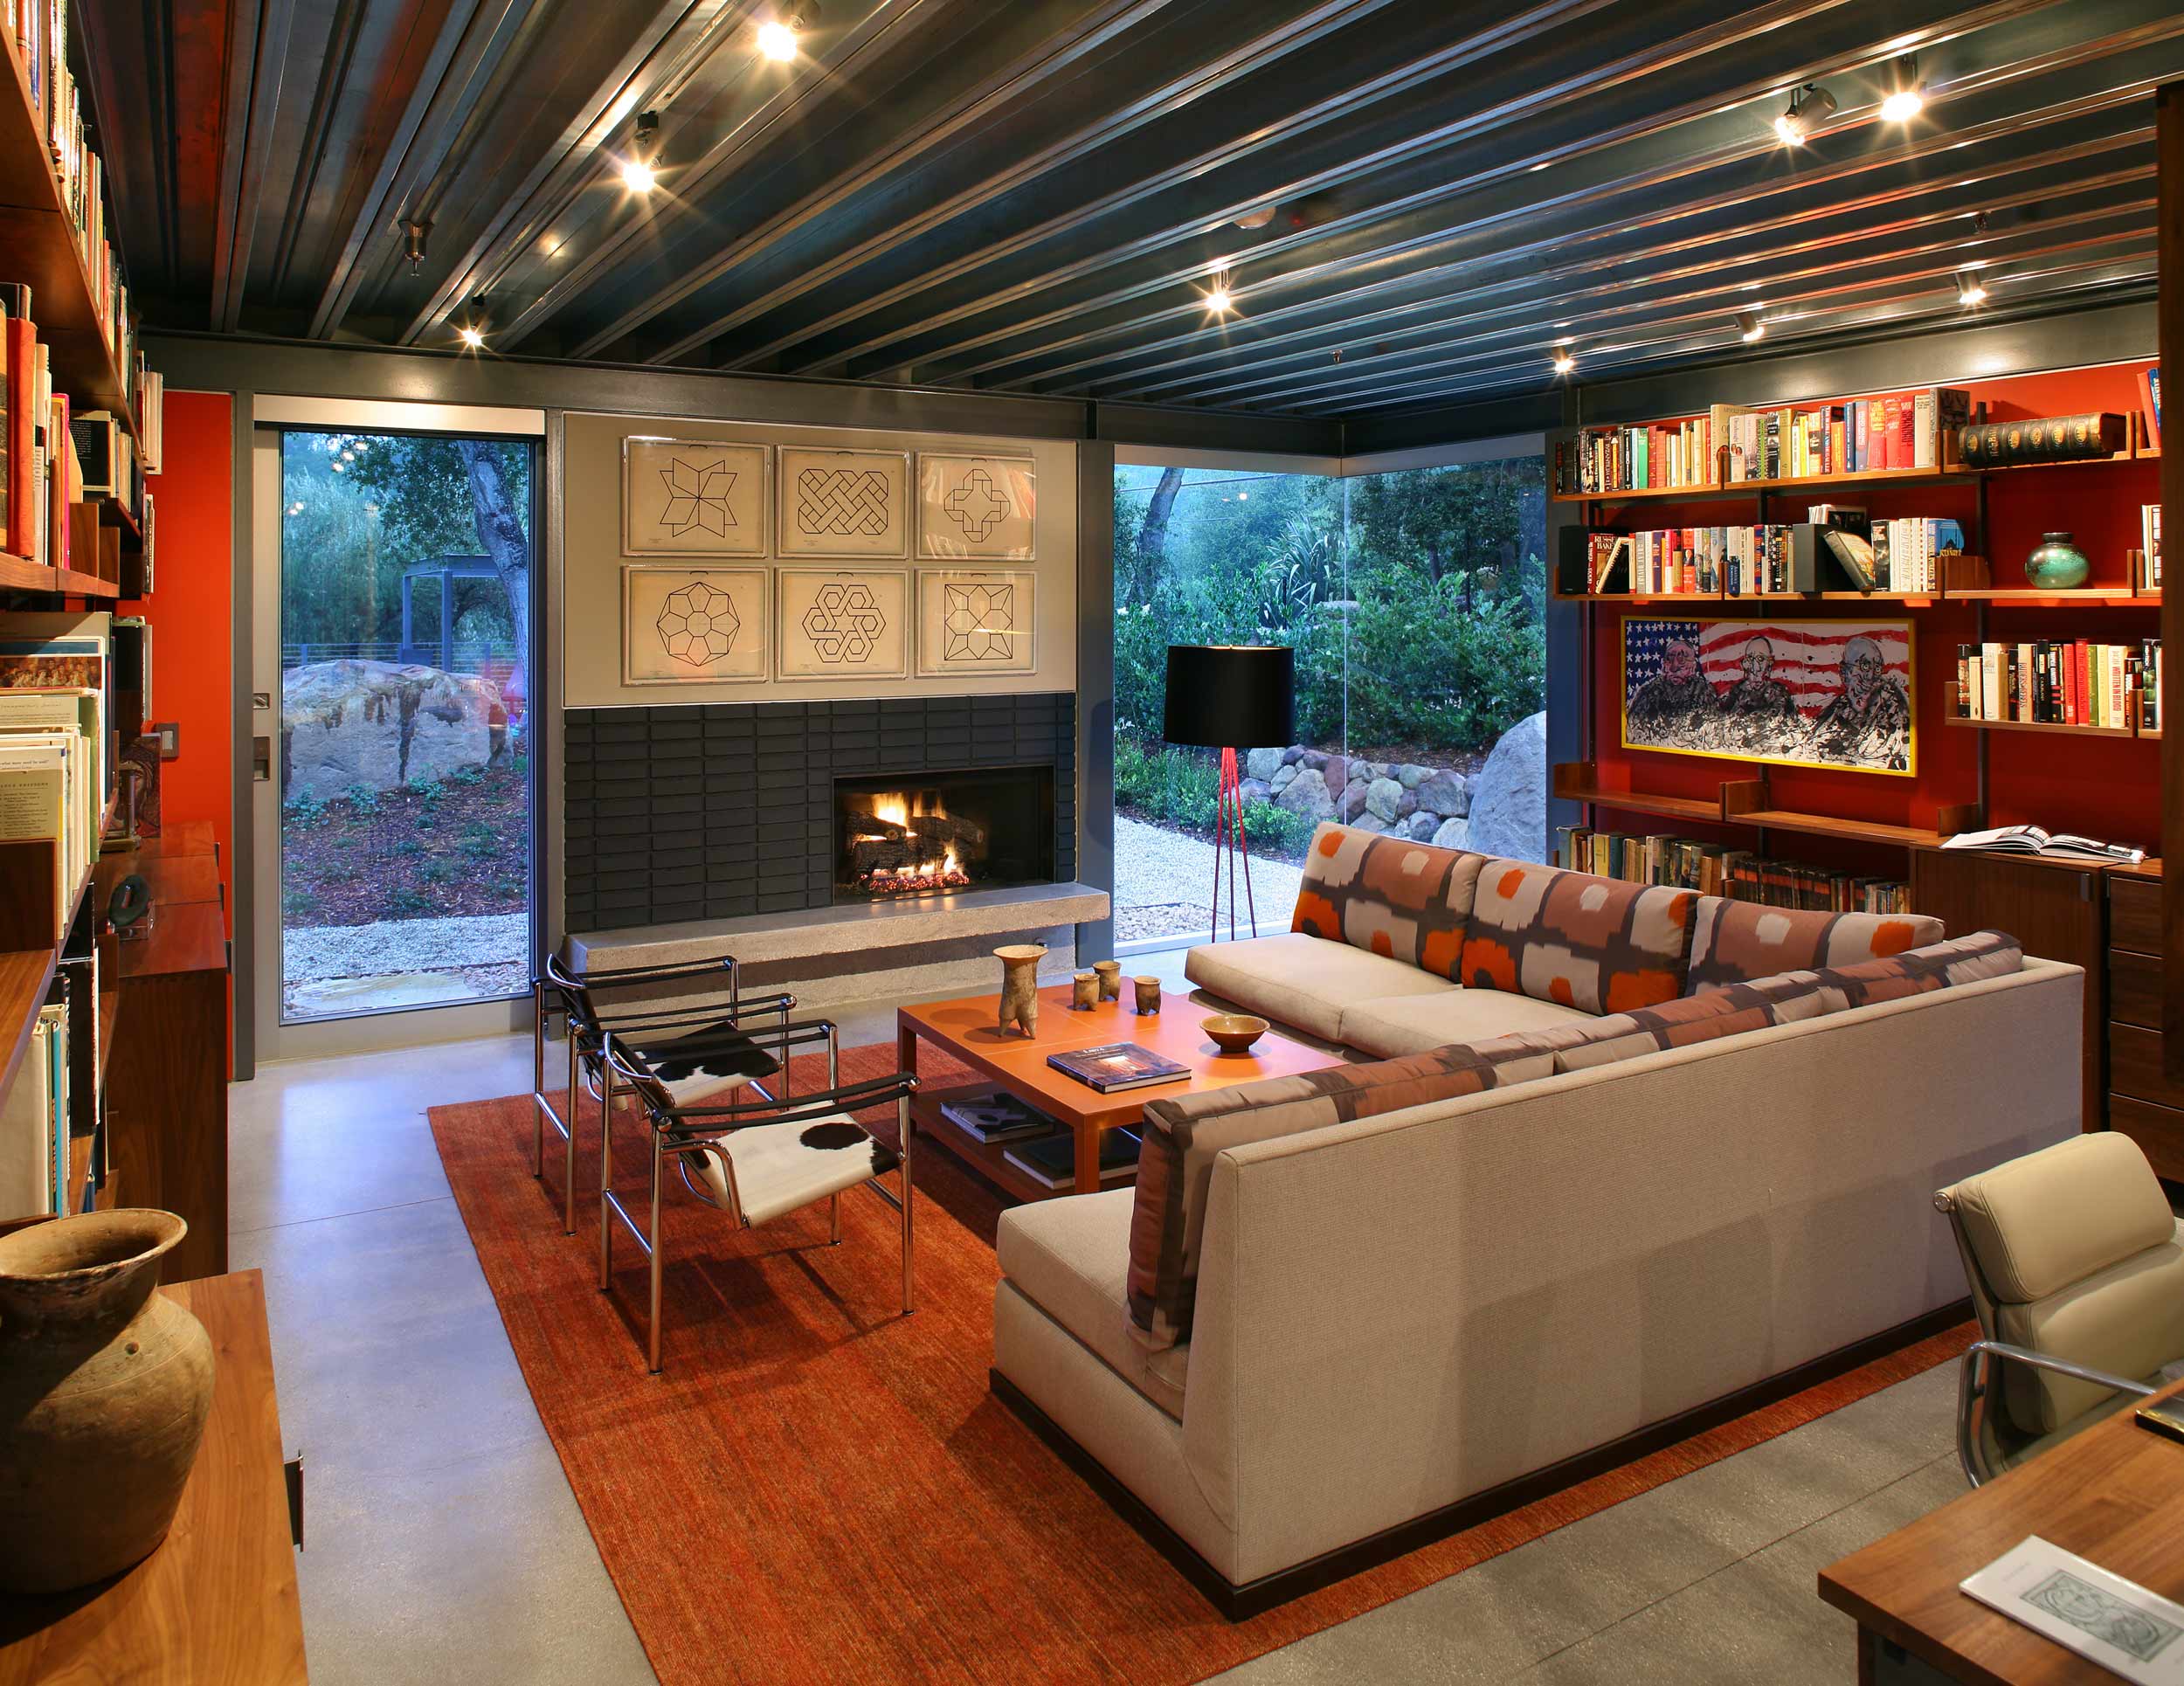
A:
x,y
821,1490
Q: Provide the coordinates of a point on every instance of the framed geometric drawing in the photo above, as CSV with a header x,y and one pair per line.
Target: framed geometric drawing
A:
x,y
693,498
693,626
1798,692
841,623
844,503
972,621
976,509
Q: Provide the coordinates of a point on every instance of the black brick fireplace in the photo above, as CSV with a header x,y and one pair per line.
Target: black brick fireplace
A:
x,y
717,810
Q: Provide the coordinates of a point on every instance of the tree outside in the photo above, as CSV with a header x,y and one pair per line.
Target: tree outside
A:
x,y
1415,601
406,848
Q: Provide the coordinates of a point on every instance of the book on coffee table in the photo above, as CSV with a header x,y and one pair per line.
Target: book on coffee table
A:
x,y
1053,1162
997,1118
1116,1065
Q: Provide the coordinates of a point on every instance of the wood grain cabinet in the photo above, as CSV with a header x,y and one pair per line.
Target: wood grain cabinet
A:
x,y
2142,1102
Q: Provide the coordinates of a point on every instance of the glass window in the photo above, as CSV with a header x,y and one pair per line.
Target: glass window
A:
x,y
1415,600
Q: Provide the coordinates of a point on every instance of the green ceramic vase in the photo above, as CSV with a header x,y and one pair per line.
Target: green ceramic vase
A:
x,y
2057,564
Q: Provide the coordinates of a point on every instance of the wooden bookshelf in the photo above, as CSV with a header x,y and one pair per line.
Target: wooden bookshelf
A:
x,y
40,239
2077,597
1578,781
18,575
1748,802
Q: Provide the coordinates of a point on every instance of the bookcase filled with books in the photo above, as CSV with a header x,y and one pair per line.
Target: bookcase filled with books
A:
x,y
2034,699
80,428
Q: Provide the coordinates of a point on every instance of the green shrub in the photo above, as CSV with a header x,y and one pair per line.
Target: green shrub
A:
x,y
1276,830
408,846
305,813
439,872
407,898
467,776
364,801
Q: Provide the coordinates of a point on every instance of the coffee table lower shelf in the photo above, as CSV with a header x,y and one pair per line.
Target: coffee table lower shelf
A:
x,y
989,1159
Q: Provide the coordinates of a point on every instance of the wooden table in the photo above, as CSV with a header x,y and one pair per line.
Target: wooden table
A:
x,y
967,1029
216,1601
2113,1494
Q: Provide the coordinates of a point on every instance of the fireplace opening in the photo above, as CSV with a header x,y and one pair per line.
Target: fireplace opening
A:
x,y
929,834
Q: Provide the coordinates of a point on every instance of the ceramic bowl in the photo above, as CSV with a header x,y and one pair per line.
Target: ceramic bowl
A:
x,y
1233,1033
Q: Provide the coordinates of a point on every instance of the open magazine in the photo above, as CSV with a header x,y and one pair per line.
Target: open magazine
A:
x,y
2030,840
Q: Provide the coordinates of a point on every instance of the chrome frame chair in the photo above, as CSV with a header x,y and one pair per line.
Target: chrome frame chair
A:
x,y
557,989
1975,1390
682,1133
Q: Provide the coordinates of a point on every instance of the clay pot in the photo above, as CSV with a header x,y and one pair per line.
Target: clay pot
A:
x,y
1110,976
1148,993
1084,993
104,1389
1020,985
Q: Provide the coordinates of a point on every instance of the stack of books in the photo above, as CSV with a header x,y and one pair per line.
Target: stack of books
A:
x,y
997,1118
43,476
1896,430
57,748
1716,869
1903,554
34,1123
1662,455
1051,1160
2060,682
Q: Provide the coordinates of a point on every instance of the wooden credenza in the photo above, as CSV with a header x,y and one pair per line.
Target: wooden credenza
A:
x,y
2142,1102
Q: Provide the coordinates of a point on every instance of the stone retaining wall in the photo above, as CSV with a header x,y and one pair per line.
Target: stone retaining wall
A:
x,y
1429,803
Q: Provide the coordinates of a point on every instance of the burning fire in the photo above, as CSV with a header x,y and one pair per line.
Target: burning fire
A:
x,y
941,872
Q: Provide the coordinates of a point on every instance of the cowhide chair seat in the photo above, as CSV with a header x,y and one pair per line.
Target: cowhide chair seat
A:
x,y
763,1171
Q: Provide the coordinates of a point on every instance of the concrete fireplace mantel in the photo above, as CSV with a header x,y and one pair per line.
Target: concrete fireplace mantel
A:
x,y
828,957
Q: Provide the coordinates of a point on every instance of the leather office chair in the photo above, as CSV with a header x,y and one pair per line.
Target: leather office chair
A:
x,y
2076,1268
756,1159
713,1048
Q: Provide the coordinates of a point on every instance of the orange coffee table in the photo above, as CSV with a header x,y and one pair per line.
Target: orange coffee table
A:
x,y
966,1028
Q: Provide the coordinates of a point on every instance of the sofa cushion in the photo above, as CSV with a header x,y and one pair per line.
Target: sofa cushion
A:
x,y
1388,896
1938,965
1739,942
1182,1137
1390,1025
1069,1257
1596,944
1301,980
1689,1019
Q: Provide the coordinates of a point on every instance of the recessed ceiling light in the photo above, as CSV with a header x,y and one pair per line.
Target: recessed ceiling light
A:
x,y
471,336
1969,290
1750,326
1809,107
1907,94
1219,300
1564,363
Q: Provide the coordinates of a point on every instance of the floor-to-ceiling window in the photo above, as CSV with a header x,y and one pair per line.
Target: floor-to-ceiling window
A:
x,y
404,750
1415,600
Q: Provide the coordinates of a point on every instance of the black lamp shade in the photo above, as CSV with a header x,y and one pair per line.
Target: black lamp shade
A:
x,y
1230,696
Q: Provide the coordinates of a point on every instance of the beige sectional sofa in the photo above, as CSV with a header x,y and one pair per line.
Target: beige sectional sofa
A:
x,y
1406,1321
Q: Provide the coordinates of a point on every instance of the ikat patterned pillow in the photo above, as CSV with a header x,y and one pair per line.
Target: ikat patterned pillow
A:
x,y
1597,944
1739,942
1690,1019
1183,1137
1404,901
1918,971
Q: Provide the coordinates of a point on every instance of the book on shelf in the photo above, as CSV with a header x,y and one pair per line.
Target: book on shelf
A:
x,y
2149,548
1117,1066
2150,403
1718,869
998,1117
151,416
1052,1161
34,1123
2059,681
74,654
1888,430
2031,840
1650,457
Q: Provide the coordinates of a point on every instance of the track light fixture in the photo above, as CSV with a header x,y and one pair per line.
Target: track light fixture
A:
x,y
640,170
1907,94
1751,326
415,235
1564,363
781,36
1970,292
1219,300
472,332
1810,107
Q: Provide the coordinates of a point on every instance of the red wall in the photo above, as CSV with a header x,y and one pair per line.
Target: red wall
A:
x,y
192,613
2106,787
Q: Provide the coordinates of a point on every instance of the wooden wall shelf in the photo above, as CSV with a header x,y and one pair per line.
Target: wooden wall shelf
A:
x,y
1744,802
18,575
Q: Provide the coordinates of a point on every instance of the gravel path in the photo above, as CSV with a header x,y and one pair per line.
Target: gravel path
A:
x,y
398,945
1163,883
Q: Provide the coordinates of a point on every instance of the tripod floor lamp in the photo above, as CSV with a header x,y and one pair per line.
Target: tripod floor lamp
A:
x,y
1227,697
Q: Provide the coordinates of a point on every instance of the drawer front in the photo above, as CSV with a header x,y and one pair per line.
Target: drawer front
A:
x,y
2159,1130
2135,989
2134,915
2134,1067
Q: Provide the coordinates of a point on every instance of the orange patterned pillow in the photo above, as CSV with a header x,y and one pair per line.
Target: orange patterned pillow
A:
x,y
1387,896
1597,945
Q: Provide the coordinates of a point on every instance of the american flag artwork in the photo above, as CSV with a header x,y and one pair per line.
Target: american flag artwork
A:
x,y
1809,693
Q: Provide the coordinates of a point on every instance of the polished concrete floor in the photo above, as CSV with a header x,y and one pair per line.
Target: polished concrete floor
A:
x,y
443,1545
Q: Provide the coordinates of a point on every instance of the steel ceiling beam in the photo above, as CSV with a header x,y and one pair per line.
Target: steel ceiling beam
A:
x,y
1625,72
1260,104
1062,50
675,39
1703,127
